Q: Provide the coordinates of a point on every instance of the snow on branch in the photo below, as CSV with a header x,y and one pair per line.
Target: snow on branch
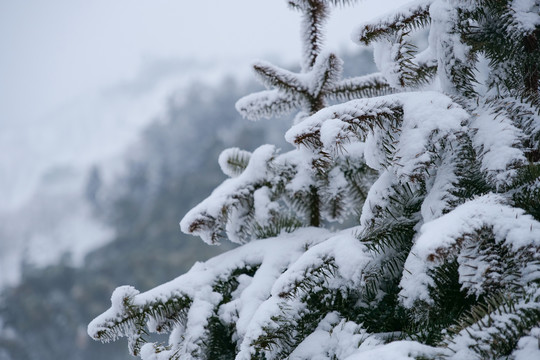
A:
x,y
525,14
456,59
319,79
334,336
233,198
396,350
308,91
430,120
409,17
326,72
441,240
406,129
493,327
130,313
267,104
184,305
361,87
314,16
498,142
335,125
320,273
441,186
233,161
397,60
286,81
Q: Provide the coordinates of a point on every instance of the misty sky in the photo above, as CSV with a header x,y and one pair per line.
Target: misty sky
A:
x,y
54,49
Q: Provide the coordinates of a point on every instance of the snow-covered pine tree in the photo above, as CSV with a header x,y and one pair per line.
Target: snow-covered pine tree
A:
x,y
445,260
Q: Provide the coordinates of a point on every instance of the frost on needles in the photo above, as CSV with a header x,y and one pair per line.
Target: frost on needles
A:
x,y
404,224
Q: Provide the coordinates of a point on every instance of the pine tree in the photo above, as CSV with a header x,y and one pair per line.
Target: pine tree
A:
x,y
439,156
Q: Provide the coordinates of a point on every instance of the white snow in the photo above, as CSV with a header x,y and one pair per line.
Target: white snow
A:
x,y
439,238
497,141
396,350
227,154
526,14
333,338
385,54
266,104
222,198
528,347
429,119
271,255
439,187
263,205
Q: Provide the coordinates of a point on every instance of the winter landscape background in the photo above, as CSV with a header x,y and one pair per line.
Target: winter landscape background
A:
x,y
112,116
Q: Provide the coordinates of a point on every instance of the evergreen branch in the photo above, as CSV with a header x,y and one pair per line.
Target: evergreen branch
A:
x,y
470,180
130,319
205,222
288,82
307,201
313,277
358,118
301,202
414,17
527,190
480,238
499,160
393,235
510,40
360,87
267,104
233,161
219,344
276,226
450,302
457,69
419,74
461,73
400,205
315,14
524,114
390,235
493,327
335,202
230,208
210,338
277,342
295,322
398,62
326,72
360,177
238,222
218,341
487,266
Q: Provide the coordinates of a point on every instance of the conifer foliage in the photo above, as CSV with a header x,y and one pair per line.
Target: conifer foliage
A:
x,y
437,158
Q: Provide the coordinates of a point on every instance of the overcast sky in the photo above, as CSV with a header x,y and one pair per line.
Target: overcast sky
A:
x,y
54,49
